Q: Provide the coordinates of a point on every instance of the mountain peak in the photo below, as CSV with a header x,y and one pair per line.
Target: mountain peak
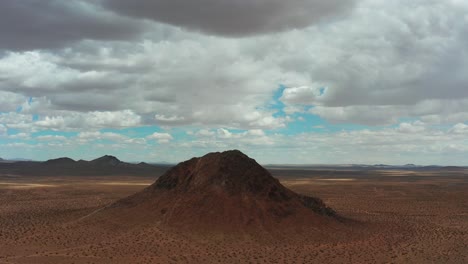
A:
x,y
106,160
232,171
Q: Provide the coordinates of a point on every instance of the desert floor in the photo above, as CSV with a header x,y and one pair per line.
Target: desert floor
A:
x,y
404,216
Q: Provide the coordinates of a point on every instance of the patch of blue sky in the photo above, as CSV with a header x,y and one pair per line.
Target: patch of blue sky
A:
x,y
180,134
278,93
13,131
8,140
306,122
322,90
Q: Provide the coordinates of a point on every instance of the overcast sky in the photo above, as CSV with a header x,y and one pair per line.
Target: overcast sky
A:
x,y
298,81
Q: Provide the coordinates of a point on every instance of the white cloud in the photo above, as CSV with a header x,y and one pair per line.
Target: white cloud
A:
x,y
161,137
304,95
20,136
223,133
107,119
205,133
51,138
460,128
409,143
3,130
256,132
369,115
91,136
416,127
223,137
16,120
169,119
52,123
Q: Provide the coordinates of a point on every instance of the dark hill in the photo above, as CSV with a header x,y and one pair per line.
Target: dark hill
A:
x,y
103,166
106,160
60,161
224,192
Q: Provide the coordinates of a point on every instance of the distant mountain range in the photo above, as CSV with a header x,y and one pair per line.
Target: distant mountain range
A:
x,y
362,167
110,165
105,165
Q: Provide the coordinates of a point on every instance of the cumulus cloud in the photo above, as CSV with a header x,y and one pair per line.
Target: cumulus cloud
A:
x,y
409,143
378,65
224,133
256,132
395,145
385,56
367,115
226,138
20,136
97,135
16,120
416,127
162,119
175,88
384,62
205,133
161,138
303,95
460,128
440,111
73,120
233,18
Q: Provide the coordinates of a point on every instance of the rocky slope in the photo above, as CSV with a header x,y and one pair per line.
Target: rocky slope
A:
x,y
227,193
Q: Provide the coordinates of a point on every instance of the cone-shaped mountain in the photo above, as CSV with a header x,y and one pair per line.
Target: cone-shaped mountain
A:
x,y
225,191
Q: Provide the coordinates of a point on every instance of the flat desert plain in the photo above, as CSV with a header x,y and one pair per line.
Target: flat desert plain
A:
x,y
398,216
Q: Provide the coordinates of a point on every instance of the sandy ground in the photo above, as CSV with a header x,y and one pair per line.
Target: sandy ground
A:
x,y
408,219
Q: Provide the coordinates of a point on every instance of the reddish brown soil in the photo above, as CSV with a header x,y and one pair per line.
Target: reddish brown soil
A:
x,y
406,218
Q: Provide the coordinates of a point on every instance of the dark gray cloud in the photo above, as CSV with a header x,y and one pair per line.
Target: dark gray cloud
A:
x,y
233,18
44,24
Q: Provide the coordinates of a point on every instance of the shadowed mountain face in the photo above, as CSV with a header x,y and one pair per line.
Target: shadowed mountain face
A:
x,y
223,192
